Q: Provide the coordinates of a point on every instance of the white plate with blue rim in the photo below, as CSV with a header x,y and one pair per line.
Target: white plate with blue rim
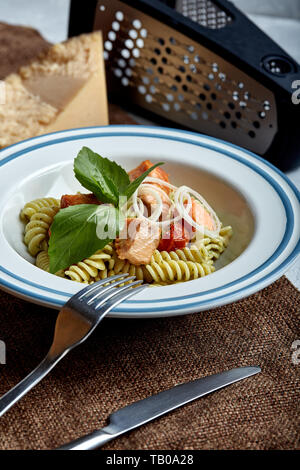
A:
x,y
248,193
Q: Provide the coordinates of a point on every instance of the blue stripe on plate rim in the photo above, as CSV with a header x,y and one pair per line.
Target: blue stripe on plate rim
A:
x,y
289,214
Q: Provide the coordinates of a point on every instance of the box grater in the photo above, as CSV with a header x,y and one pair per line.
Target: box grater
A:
x,y
201,65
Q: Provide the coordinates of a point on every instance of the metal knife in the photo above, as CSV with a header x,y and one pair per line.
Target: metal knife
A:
x,y
143,411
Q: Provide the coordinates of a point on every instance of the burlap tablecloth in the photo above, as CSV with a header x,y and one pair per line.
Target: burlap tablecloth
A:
x,y
127,360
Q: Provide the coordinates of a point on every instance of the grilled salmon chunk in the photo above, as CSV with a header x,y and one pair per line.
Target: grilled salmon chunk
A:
x,y
137,241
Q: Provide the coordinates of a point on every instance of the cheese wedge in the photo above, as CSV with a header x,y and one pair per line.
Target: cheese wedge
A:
x,y
64,88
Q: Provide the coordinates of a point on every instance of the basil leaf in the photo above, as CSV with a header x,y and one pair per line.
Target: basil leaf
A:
x,y
75,233
105,178
136,183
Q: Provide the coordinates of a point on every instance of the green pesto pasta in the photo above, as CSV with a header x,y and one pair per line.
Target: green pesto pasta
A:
x,y
90,269
164,268
36,230
36,206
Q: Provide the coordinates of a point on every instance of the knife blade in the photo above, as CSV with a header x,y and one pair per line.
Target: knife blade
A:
x,y
143,411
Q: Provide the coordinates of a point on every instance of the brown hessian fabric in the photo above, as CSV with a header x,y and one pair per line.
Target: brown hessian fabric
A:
x,y
126,360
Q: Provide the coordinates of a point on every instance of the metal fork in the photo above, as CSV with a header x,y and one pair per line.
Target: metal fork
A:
x,y
75,322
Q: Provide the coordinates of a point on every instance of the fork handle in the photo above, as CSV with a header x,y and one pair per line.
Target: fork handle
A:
x,y
19,390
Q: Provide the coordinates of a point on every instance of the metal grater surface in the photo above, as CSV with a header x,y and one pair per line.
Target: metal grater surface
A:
x,y
204,12
163,71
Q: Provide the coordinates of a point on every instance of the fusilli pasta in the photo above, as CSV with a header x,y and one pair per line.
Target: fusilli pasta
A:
x,y
164,268
91,269
36,230
36,206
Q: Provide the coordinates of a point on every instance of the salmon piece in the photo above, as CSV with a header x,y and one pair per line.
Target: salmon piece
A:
x,y
201,216
158,172
137,241
74,199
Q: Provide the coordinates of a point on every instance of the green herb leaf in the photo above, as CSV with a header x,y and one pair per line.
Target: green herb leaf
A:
x,y
132,187
105,178
79,231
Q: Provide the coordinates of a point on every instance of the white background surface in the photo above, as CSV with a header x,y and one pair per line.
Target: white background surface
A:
x,y
280,19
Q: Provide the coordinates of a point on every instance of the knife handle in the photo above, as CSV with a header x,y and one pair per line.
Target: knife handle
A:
x,y
90,441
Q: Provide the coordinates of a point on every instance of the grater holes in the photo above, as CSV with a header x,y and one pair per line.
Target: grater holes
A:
x,y
164,60
149,98
112,36
233,124
142,89
140,43
177,107
128,72
170,97
133,34
160,70
166,106
119,15
122,63
118,73
153,61
136,53
227,115
136,24
213,96
108,45
115,25
125,81
256,124
146,80
129,43
161,41
231,105
143,33
204,12
125,53
106,55
252,134
222,124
